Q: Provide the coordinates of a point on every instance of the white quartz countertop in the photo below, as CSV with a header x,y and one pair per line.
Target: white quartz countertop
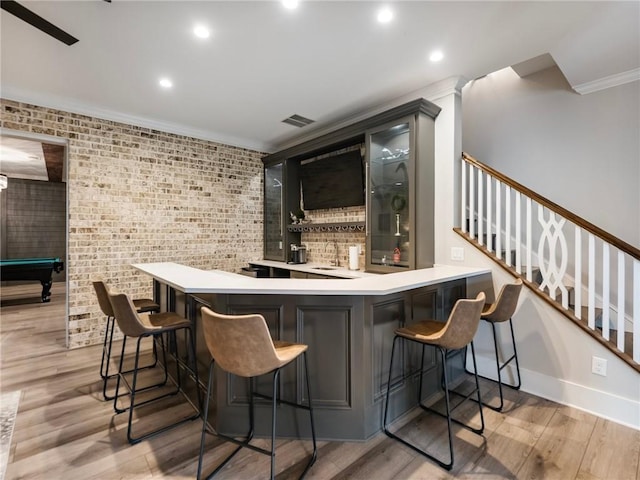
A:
x,y
315,268
193,280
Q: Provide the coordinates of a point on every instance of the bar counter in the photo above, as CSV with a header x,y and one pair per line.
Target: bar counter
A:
x,y
348,324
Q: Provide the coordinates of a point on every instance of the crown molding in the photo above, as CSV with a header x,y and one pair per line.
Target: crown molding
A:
x,y
608,82
71,106
443,88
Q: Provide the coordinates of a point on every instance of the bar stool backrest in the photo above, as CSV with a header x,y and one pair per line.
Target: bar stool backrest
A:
x,y
505,306
462,324
240,344
102,292
128,319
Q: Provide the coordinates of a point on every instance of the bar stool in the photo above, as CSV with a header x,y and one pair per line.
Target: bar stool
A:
x,y
241,345
142,305
448,338
134,325
501,311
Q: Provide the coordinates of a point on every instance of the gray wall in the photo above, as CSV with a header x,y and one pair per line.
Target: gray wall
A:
x,y
580,151
34,220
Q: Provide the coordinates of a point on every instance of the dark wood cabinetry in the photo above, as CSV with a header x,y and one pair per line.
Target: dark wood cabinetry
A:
x,y
400,194
399,188
350,340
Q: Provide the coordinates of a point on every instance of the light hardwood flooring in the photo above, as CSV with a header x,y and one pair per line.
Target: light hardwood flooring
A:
x,y
64,429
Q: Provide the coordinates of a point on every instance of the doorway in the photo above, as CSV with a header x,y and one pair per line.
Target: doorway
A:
x,y
34,214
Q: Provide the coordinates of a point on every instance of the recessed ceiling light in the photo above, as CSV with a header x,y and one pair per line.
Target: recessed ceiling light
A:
x,y
201,31
165,83
385,15
290,4
436,56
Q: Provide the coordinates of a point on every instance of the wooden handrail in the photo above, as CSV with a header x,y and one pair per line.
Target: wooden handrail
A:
x,y
577,220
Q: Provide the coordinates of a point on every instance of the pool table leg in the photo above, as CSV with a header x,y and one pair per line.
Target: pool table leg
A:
x,y
46,290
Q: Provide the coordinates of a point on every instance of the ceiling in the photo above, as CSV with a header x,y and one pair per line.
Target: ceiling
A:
x,y
323,60
31,160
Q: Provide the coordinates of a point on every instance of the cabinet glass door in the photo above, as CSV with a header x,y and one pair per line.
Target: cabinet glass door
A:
x,y
273,219
389,206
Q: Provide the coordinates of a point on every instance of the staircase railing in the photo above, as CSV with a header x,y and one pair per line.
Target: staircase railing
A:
x,y
587,273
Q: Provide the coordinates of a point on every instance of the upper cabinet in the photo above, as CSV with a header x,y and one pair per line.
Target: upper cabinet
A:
x,y
281,195
400,194
274,225
399,186
390,211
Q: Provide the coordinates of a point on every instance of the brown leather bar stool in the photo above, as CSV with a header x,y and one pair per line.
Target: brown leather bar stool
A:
x,y
241,345
448,338
142,305
501,311
140,326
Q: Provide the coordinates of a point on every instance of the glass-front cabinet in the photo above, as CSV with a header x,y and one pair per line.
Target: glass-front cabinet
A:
x,y
389,196
273,216
281,196
400,193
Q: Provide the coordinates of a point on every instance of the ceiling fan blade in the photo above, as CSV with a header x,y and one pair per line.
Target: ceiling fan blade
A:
x,y
23,13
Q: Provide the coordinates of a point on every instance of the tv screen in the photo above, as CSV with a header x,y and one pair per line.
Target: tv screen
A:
x,y
333,182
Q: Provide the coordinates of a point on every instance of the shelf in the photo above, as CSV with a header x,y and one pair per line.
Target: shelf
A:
x,y
327,227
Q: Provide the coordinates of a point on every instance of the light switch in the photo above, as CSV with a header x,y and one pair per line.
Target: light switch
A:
x,y
457,253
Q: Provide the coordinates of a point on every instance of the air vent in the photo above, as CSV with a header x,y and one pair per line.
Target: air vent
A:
x,y
298,121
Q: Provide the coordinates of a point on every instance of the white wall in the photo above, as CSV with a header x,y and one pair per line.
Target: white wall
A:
x,y
579,151
555,355
582,152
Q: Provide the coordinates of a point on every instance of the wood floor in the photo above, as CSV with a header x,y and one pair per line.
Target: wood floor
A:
x,y
65,430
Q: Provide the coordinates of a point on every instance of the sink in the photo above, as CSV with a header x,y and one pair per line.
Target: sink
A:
x,y
323,268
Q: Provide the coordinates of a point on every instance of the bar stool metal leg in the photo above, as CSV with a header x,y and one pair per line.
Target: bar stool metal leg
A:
x,y
133,440
151,326
499,312
205,419
259,356
500,367
463,320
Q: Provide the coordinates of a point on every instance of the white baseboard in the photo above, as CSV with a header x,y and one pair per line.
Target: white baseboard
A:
x,y
624,411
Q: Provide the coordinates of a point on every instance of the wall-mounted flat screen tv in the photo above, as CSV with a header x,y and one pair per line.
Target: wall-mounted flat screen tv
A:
x,y
333,182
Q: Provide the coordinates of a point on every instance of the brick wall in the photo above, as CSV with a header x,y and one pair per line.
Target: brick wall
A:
x,y
321,246
141,195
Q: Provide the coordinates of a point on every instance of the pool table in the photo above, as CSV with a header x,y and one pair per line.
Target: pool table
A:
x,y
40,269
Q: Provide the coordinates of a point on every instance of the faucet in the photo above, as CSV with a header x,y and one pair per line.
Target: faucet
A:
x,y
336,261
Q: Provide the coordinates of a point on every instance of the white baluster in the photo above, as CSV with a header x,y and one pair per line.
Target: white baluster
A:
x,y
472,201
606,275
529,259
636,311
507,227
463,196
552,273
480,207
489,216
591,306
498,220
578,274
518,233
621,299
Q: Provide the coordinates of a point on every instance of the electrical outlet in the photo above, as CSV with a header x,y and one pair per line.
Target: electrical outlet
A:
x,y
457,253
599,366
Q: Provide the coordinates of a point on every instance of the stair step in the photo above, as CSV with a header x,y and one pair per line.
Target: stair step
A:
x,y
628,340
613,334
